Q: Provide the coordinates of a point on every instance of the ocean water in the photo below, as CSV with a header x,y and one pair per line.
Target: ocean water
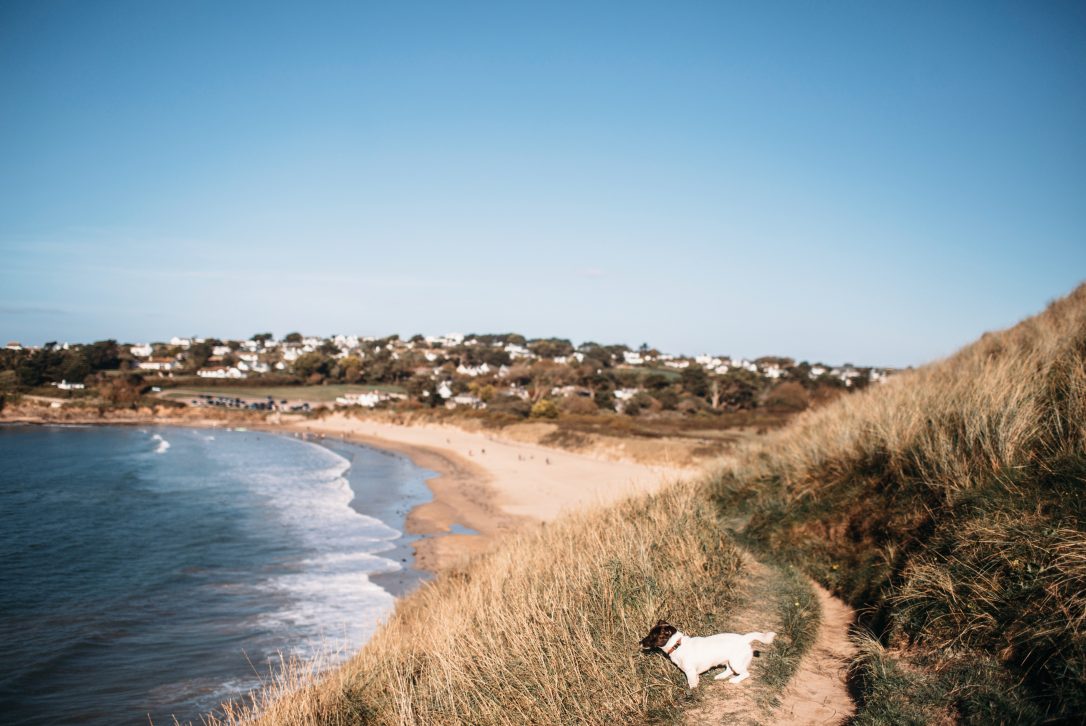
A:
x,y
154,572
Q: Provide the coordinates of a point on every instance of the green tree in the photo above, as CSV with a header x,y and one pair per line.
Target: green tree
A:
x,y
262,337
551,347
199,354
293,338
657,382
695,381
102,356
668,398
352,369
312,363
74,368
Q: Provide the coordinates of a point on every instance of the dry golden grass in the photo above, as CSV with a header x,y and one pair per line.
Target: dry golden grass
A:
x,y
543,630
993,406
948,504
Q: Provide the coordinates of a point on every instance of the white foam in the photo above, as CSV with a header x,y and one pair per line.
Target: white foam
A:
x,y
163,444
327,599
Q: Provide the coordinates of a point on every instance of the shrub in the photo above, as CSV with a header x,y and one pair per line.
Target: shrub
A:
x,y
544,408
788,396
578,405
510,405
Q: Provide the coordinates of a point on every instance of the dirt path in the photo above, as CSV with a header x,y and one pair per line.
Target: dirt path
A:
x,y
817,694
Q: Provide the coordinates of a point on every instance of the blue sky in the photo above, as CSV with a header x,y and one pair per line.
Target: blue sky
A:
x,y
856,182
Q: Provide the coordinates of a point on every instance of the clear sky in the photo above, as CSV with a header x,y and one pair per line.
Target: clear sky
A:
x,y
846,182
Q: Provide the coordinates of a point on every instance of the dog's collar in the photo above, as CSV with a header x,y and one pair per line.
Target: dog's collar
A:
x,y
673,648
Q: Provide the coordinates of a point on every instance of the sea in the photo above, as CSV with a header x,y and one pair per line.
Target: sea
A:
x,y
153,573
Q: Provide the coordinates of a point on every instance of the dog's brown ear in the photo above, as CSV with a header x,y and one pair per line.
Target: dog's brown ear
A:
x,y
661,622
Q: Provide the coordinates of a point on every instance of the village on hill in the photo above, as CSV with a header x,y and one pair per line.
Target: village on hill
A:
x,y
539,377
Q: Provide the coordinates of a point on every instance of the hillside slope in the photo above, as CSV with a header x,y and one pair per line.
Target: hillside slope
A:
x,y
947,506
544,629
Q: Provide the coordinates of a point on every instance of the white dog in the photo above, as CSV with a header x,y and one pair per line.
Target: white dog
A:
x,y
694,656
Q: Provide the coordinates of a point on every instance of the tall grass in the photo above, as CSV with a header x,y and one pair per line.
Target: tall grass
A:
x,y
948,504
543,630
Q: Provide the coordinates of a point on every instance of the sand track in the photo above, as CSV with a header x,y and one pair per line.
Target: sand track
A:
x,y
818,693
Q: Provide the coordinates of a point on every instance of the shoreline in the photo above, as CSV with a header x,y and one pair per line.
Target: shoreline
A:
x,y
484,483
387,496
489,484
461,497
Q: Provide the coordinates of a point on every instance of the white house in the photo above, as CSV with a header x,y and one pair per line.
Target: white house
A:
x,y
773,371
623,395
346,342
518,351
519,391
465,399
473,371
877,376
220,372
143,350
845,374
745,365
369,399
65,386
158,364
253,367
632,358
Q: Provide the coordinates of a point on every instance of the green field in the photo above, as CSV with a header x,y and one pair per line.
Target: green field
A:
x,y
312,394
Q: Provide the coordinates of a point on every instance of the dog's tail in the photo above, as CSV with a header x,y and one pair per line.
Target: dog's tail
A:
x,y
766,638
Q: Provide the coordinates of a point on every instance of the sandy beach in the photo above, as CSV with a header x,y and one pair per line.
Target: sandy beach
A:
x,y
488,484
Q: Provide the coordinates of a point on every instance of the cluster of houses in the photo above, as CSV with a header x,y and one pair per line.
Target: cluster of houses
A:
x,y
456,368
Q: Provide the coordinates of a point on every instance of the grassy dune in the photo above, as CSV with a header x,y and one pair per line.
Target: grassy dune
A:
x,y
545,629
948,505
